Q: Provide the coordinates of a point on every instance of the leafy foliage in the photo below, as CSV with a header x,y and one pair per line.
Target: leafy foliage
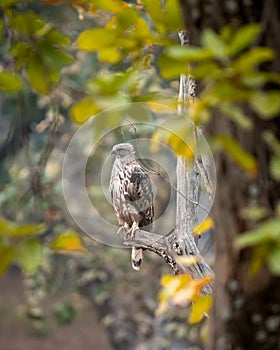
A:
x,y
245,160
180,291
68,241
38,48
18,244
266,239
204,227
10,82
114,58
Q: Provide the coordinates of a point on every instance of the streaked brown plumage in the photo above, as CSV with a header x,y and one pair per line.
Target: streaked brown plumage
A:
x,y
132,196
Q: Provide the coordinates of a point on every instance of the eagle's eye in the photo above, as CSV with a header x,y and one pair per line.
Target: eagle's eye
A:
x,y
123,152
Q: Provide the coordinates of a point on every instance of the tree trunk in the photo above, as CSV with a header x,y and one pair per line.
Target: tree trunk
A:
x,y
246,311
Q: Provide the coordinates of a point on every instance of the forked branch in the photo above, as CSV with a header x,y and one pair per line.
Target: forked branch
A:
x,y
170,250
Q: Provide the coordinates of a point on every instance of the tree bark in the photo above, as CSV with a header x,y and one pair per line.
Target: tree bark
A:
x,y
246,311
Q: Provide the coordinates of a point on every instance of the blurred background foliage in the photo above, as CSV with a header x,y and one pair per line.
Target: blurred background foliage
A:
x,y
61,63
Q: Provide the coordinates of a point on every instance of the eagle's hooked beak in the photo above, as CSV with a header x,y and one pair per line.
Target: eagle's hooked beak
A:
x,y
113,152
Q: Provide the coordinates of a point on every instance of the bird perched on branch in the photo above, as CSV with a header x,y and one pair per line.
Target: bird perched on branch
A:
x,y
132,196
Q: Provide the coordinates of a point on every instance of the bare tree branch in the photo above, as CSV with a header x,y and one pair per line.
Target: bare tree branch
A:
x,y
162,246
169,250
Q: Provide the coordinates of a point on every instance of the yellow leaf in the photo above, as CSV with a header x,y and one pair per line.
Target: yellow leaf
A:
x,y
205,226
111,24
142,26
166,279
199,111
181,147
179,290
171,285
200,306
109,54
68,241
189,291
83,110
96,39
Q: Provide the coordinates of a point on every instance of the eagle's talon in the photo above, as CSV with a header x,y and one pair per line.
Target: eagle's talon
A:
x,y
120,230
133,228
123,229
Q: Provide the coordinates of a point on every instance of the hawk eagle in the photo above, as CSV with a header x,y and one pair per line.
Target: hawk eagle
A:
x,y
132,196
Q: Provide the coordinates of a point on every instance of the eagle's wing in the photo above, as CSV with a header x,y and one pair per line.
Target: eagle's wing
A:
x,y
139,194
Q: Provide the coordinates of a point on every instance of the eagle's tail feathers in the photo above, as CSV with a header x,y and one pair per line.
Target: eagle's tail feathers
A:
x,y
136,258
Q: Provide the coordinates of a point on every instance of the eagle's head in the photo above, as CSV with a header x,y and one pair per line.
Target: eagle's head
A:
x,y
123,151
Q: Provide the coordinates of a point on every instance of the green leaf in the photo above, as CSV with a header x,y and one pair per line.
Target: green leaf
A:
x,y
171,68
271,140
109,84
172,15
54,57
189,53
41,77
166,15
138,112
201,305
96,39
256,79
267,104
127,17
68,241
8,3
28,255
27,23
227,33
206,70
274,167
252,58
83,110
55,37
224,91
274,261
8,228
1,30
236,114
241,157
259,258
243,38
6,257
65,313
21,51
29,229
10,82
108,5
254,213
213,42
268,232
